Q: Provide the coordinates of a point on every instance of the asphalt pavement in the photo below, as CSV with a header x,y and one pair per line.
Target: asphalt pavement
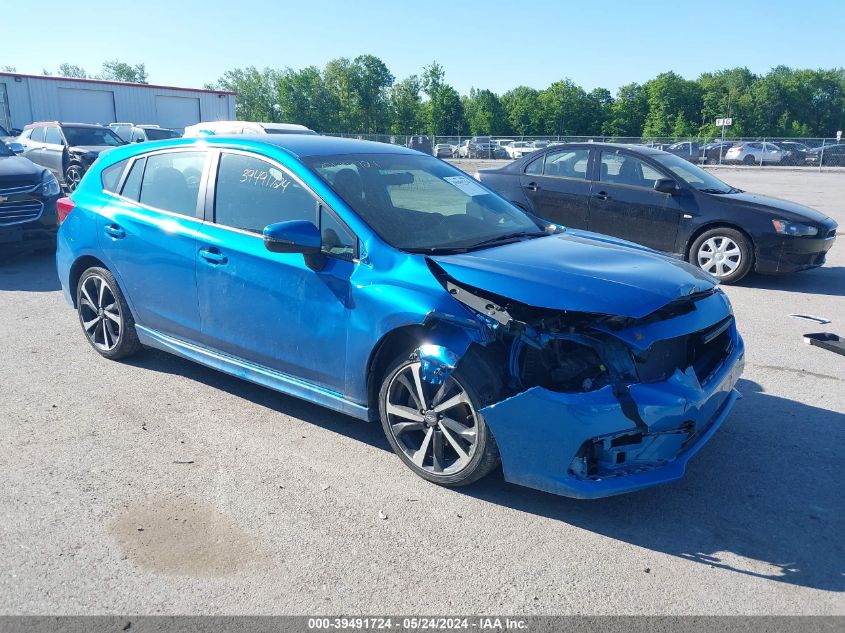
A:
x,y
158,486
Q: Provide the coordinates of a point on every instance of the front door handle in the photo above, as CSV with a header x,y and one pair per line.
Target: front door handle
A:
x,y
213,256
532,186
601,195
114,231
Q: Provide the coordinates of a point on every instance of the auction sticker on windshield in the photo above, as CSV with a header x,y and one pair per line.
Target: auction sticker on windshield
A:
x,y
466,185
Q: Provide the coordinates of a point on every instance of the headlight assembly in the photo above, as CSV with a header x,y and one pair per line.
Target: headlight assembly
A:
x,y
794,228
49,184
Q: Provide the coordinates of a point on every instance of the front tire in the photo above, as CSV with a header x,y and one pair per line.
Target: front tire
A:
x,y
73,174
104,315
724,253
437,430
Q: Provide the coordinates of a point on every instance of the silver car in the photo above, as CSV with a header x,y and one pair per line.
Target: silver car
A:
x,y
755,153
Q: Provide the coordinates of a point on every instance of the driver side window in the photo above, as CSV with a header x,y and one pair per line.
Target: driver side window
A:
x,y
624,169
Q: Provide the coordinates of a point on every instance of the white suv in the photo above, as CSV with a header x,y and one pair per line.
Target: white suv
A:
x,y
212,128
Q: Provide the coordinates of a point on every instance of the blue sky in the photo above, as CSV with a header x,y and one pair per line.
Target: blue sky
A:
x,y
494,44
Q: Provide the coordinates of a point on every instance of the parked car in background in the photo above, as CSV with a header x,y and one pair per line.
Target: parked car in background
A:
x,y
132,133
750,153
714,153
797,152
504,143
444,150
28,194
208,128
518,149
688,150
664,202
66,149
420,143
481,147
833,155
388,285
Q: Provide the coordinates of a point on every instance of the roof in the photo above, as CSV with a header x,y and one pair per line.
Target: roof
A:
x,y
61,124
313,144
116,83
642,149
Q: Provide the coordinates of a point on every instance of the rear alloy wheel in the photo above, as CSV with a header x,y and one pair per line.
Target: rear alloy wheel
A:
x,y
436,429
749,160
73,174
104,315
724,253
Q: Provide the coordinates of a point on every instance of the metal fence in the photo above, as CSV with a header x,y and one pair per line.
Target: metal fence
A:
x,y
813,153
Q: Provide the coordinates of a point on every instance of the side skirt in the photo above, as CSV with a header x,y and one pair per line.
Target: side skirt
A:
x,y
258,374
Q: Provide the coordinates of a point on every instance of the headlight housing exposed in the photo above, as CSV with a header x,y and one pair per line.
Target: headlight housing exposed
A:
x,y
49,185
794,228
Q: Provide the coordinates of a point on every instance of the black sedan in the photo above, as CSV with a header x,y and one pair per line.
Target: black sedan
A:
x,y
666,203
829,155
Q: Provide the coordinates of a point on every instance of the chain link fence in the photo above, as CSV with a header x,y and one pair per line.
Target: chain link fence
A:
x,y
750,152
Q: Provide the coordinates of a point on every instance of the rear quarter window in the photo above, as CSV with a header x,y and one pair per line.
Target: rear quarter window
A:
x,y
110,176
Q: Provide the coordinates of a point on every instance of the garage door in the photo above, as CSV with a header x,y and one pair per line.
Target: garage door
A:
x,y
86,106
177,112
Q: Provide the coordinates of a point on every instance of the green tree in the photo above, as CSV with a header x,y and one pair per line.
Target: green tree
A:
x,y
446,113
628,112
371,85
303,98
340,77
599,110
562,109
256,92
670,95
727,93
116,70
407,106
484,113
72,70
522,106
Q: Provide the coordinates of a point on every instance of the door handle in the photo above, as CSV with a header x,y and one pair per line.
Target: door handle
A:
x,y
113,230
532,186
601,195
213,256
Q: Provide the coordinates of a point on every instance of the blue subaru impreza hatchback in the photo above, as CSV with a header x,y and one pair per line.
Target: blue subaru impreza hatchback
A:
x,y
386,284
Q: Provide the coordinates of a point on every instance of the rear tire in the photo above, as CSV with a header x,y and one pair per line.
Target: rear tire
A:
x,y
725,253
105,316
449,446
749,160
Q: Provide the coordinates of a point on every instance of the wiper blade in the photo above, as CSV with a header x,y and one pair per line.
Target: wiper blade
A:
x,y
507,237
719,191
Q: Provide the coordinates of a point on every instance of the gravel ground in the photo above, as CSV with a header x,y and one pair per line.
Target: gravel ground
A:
x,y
159,486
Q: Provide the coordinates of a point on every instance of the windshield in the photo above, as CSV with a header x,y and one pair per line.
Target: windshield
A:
x,y
421,204
693,175
156,134
77,136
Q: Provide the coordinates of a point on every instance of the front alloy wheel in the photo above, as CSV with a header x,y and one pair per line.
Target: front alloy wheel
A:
x,y
436,429
73,174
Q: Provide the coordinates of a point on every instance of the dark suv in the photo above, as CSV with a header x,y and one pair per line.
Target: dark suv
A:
x,y
66,149
28,195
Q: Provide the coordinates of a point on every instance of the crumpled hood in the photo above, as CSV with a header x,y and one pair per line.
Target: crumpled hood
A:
x,y
83,149
780,209
579,271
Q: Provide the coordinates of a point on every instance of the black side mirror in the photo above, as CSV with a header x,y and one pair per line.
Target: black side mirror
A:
x,y
666,185
296,236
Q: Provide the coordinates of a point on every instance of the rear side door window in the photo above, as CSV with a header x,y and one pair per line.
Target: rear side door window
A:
x,y
251,193
567,164
52,136
171,181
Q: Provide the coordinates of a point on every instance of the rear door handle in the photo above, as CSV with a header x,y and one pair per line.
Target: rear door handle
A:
x,y
113,230
601,195
532,186
213,256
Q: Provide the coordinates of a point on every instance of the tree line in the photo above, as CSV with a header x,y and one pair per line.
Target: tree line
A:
x,y
361,96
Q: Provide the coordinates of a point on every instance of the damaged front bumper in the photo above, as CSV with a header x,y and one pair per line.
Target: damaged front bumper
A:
x,y
583,445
